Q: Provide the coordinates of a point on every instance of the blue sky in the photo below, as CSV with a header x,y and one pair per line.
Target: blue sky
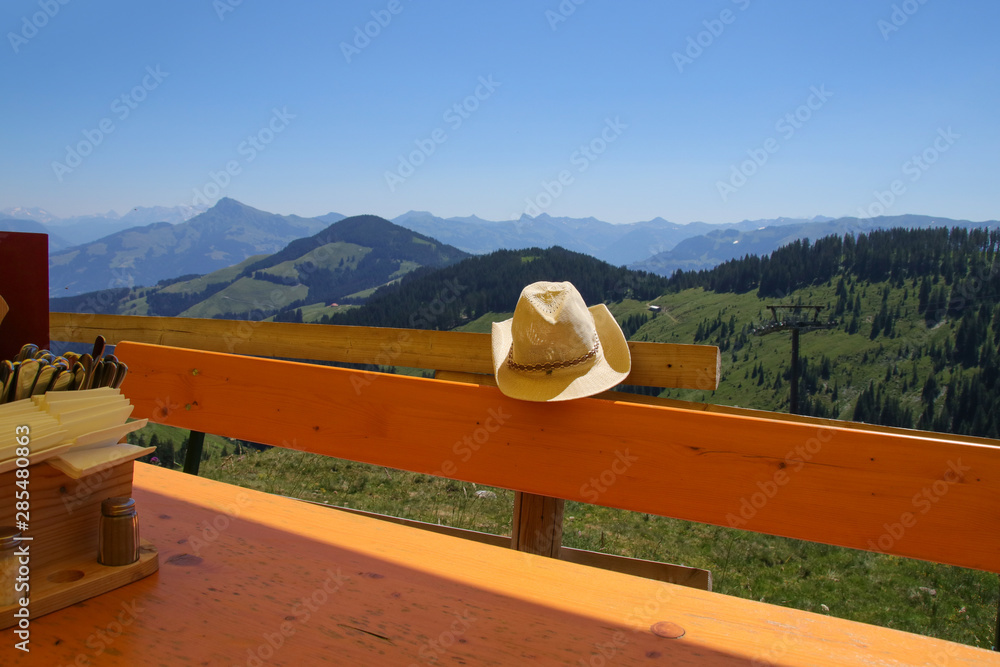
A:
x,y
716,111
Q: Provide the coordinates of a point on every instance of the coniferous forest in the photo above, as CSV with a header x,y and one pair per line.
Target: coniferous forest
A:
x,y
931,316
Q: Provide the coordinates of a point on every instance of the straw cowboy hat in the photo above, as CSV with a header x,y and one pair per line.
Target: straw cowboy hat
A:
x,y
555,348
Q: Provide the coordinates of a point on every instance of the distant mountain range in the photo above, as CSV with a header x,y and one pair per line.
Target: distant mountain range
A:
x,y
56,242
616,244
222,236
76,230
345,261
720,245
176,241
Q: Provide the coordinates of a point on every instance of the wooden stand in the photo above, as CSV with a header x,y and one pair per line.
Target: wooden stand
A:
x,y
63,524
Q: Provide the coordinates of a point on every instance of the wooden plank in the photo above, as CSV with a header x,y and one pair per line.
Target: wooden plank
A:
x,y
653,364
900,494
538,524
282,582
682,575
490,381
670,573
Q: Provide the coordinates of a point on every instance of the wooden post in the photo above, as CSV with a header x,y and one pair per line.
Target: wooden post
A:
x,y
996,635
192,459
538,523
793,404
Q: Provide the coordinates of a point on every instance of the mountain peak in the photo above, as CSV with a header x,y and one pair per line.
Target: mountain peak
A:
x,y
228,204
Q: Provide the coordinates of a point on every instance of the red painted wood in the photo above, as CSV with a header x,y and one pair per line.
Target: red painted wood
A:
x,y
24,284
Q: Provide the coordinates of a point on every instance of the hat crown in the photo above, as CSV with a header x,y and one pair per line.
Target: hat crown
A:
x,y
551,324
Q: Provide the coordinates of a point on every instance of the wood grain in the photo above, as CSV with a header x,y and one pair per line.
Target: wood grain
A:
x,y
490,381
650,569
537,526
653,364
68,582
64,512
382,594
907,495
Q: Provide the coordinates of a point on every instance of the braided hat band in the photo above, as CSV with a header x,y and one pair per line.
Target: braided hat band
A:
x,y
552,365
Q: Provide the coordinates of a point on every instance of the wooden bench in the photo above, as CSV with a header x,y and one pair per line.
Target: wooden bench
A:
x,y
831,484
537,520
893,491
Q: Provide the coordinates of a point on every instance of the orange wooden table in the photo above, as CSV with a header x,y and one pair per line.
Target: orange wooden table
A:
x,y
247,578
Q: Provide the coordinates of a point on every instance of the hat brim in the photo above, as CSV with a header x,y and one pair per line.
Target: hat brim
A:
x,y
610,368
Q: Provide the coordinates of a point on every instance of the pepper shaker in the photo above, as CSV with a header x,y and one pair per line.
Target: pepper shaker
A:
x,y
119,532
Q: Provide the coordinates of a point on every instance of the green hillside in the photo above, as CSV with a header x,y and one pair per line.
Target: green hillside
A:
x,y
917,328
344,262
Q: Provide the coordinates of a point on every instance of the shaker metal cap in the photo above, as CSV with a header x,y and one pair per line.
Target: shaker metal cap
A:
x,y
118,506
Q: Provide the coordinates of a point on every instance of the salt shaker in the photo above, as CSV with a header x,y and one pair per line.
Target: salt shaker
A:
x,y
119,539
8,564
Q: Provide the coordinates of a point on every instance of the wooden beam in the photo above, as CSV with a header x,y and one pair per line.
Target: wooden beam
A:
x,y
692,577
653,364
538,524
625,397
906,495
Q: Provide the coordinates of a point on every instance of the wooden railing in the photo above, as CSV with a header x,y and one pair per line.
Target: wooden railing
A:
x,y
653,364
537,520
896,491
